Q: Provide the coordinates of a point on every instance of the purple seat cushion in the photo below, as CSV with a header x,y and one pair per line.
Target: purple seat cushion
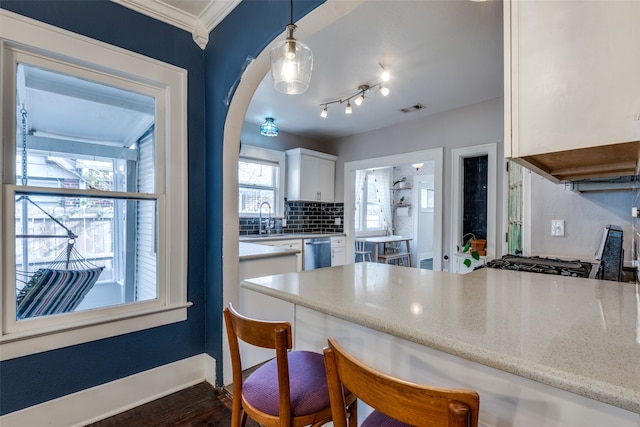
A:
x,y
307,381
378,419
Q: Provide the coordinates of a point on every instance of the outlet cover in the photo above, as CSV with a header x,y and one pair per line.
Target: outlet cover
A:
x,y
557,227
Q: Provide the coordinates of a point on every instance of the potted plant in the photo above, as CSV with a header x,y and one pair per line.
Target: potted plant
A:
x,y
473,247
401,202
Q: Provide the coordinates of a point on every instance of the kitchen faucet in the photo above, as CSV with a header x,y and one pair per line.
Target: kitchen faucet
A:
x,y
267,226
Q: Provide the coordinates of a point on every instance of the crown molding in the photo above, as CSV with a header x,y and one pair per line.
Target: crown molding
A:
x,y
199,26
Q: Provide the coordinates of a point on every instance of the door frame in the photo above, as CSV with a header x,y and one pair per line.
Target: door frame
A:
x,y
457,157
435,154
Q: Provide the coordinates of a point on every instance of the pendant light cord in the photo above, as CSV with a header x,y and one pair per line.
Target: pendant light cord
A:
x,y
291,12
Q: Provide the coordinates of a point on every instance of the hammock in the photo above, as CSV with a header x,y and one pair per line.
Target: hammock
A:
x,y
65,282
61,286
57,288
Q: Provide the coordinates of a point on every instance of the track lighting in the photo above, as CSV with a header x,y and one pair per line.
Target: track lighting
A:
x,y
359,95
385,76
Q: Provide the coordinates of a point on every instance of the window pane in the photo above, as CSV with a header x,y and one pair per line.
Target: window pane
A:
x,y
373,216
75,253
75,133
250,200
256,174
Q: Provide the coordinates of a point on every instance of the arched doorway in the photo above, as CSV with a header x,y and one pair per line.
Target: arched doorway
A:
x,y
315,21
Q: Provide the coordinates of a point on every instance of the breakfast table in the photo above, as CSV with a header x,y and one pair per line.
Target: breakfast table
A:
x,y
385,240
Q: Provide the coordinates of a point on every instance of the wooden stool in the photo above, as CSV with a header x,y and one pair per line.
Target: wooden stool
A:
x,y
394,401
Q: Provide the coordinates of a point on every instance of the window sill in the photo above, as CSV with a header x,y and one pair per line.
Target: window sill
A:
x,y
36,341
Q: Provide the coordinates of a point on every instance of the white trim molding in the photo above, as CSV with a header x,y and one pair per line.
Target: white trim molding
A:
x,y
202,17
457,156
103,401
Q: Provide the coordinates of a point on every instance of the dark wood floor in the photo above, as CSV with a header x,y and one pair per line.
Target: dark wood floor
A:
x,y
198,406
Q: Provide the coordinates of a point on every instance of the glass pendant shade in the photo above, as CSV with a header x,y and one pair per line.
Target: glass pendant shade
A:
x,y
291,65
268,128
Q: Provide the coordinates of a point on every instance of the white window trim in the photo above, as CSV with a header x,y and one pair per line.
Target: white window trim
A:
x,y
75,328
249,152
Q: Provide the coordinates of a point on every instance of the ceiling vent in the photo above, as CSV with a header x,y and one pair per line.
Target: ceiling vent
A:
x,y
412,108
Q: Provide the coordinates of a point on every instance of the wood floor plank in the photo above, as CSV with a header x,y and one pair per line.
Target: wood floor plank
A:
x,y
198,406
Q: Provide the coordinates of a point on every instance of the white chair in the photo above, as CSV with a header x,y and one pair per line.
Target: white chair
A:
x,y
362,251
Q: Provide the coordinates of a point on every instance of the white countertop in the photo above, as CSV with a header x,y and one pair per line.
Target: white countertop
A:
x,y
248,251
579,335
254,238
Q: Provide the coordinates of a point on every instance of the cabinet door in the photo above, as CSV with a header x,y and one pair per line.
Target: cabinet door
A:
x,y
293,244
309,185
325,179
574,75
337,256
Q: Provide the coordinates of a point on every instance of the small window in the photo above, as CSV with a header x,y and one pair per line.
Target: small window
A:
x,y
258,184
373,201
89,206
260,178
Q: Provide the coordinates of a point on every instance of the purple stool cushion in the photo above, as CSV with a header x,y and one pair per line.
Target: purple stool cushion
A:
x,y
307,381
378,419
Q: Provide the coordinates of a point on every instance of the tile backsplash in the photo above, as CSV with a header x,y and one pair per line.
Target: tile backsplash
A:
x,y
301,217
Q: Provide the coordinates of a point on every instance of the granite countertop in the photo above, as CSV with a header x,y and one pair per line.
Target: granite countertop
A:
x,y
285,236
579,335
248,251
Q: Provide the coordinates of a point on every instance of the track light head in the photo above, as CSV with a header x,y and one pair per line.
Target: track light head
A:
x,y
324,113
348,109
385,76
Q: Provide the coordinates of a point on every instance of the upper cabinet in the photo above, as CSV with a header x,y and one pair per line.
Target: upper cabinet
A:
x,y
310,175
572,87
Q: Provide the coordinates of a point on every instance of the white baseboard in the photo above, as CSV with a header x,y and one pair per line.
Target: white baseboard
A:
x,y
97,403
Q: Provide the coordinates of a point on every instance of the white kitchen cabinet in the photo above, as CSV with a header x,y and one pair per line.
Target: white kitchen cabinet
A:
x,y
289,244
337,251
572,92
310,175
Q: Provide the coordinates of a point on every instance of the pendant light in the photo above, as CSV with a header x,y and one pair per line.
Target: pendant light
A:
x,y
268,128
291,63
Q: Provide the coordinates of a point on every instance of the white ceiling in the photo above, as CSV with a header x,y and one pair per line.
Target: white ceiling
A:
x,y
443,54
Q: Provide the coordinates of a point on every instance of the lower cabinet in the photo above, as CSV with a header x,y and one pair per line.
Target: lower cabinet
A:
x,y
289,244
337,251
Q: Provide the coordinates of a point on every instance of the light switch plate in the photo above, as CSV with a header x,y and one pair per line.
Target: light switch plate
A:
x,y
557,227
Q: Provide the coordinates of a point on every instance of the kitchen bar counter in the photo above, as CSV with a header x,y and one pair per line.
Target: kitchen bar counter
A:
x,y
249,251
577,335
255,238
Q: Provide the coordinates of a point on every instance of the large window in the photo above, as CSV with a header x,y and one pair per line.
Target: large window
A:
x,y
88,194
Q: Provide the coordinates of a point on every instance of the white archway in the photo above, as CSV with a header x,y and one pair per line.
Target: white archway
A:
x,y
319,18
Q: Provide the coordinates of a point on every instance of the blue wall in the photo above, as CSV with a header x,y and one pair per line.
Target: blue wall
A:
x,y
37,378
30,380
243,34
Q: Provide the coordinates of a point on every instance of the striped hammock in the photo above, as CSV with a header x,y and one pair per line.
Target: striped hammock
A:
x,y
59,288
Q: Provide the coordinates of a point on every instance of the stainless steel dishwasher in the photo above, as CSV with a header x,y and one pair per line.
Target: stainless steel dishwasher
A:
x,y
316,253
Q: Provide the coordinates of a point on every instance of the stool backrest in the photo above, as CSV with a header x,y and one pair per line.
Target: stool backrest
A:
x,y
261,333
407,402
